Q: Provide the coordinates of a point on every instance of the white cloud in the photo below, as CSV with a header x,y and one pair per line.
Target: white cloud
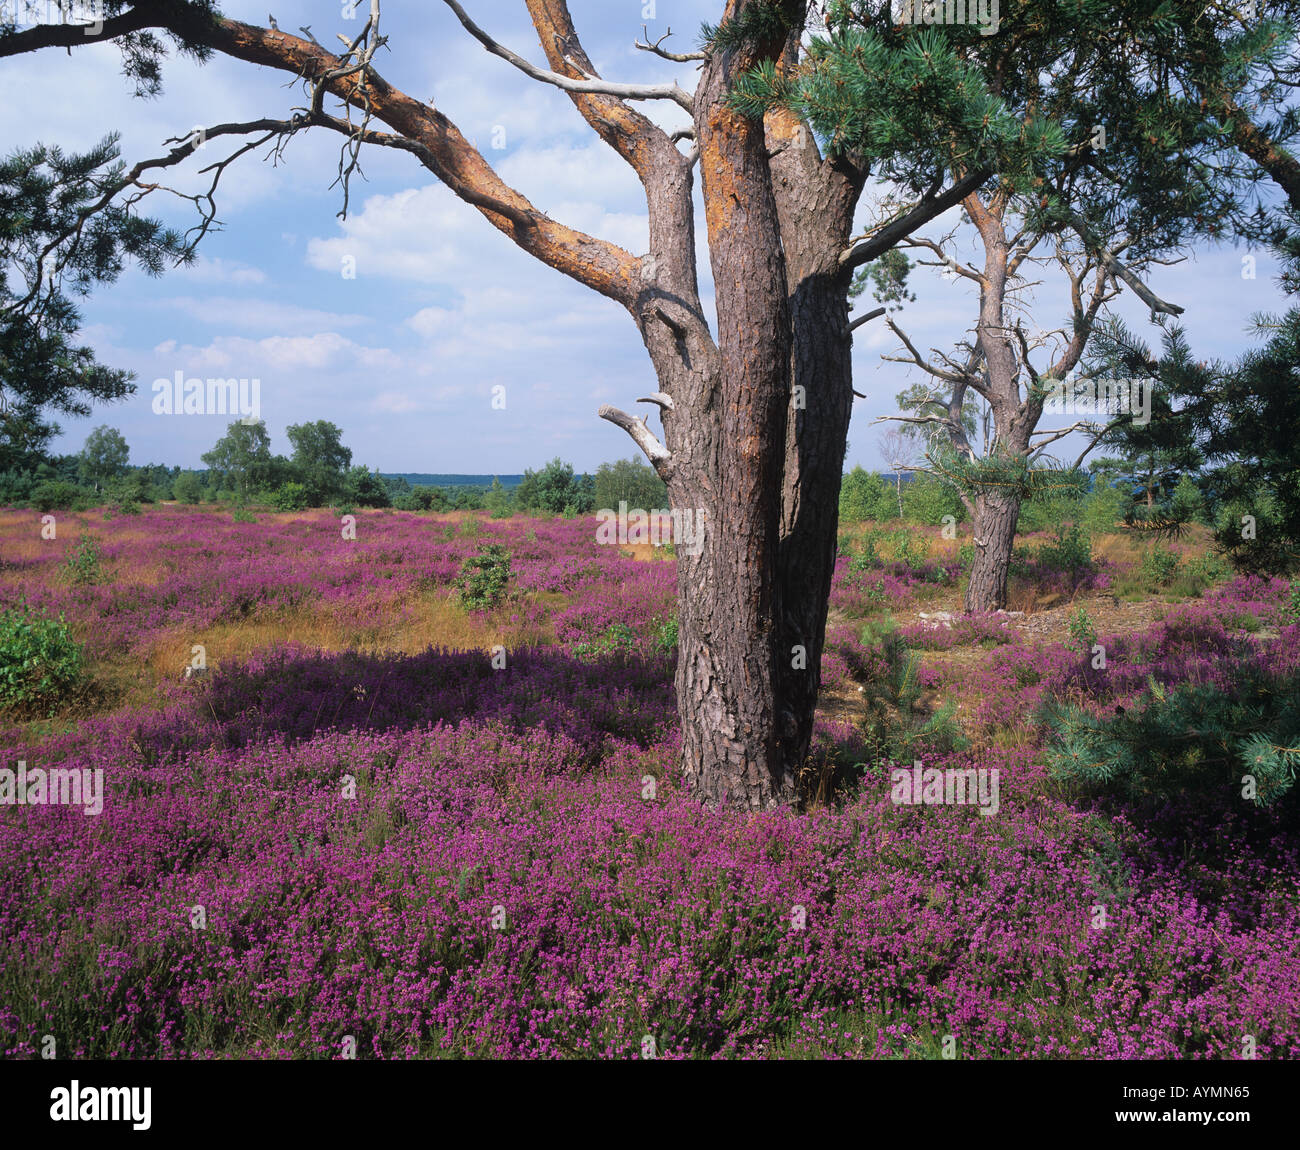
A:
x,y
244,313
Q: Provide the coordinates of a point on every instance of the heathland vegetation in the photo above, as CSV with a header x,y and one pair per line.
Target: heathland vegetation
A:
x,y
416,782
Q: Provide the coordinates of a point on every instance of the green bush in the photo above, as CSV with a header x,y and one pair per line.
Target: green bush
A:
x,y
483,578
1045,512
365,488
1192,738
84,563
928,498
56,495
40,663
1101,510
556,488
243,515
618,639
1159,567
668,635
1083,635
1198,573
864,497
290,497
187,488
1291,612
1070,551
893,725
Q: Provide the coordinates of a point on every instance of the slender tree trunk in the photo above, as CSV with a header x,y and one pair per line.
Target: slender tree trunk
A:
x,y
815,202
816,437
995,533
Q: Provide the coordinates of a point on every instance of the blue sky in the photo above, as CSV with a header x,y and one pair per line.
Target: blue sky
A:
x,y
404,357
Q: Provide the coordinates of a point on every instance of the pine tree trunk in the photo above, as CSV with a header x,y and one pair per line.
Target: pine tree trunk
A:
x,y
995,533
765,450
816,437
728,462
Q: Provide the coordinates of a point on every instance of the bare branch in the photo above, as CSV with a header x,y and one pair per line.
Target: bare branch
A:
x,y
875,313
1096,439
663,400
920,361
1053,436
945,260
592,87
679,57
881,241
1119,270
660,457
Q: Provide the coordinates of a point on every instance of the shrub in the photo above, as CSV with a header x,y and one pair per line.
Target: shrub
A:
x,y
83,564
243,515
1082,633
618,639
1191,738
893,725
290,497
1197,574
1159,567
630,480
928,498
55,495
1291,612
481,582
1102,509
40,663
366,488
555,488
668,635
1044,512
863,496
187,488
1070,551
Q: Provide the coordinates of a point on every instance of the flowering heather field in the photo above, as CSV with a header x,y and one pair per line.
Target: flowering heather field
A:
x,y
356,825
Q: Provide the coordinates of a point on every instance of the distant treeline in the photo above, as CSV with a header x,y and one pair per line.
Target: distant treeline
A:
x,y
419,479
242,471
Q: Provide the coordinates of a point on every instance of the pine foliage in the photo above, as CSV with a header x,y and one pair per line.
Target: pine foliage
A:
x,y
1240,741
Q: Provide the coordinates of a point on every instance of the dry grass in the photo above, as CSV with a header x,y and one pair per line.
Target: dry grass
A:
x,y
438,622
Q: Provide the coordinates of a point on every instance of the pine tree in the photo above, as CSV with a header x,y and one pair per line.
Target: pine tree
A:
x,y
1094,155
64,228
